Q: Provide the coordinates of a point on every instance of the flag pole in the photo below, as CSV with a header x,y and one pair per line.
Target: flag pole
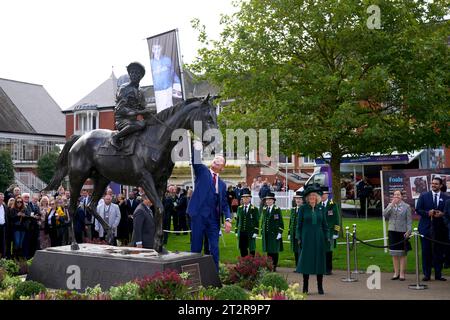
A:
x,y
183,93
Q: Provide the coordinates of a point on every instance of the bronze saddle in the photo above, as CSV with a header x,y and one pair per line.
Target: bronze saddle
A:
x,y
126,148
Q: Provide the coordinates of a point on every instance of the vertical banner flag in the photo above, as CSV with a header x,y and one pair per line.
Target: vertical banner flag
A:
x,y
166,69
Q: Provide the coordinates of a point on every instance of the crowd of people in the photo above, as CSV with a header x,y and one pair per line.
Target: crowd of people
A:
x,y
32,222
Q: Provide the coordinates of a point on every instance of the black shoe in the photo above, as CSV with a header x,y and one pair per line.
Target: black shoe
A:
x,y
426,279
395,278
328,273
320,290
441,279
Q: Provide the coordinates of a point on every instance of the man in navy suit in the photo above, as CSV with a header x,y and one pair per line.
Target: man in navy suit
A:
x,y
208,202
430,207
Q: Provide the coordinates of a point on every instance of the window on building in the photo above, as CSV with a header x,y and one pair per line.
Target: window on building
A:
x,y
284,159
308,160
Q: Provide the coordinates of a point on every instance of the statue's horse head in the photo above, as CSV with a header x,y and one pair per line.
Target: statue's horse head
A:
x,y
202,110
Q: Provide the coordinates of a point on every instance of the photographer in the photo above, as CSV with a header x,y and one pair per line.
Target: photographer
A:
x,y
430,207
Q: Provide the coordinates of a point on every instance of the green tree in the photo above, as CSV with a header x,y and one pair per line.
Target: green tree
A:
x,y
6,170
332,83
47,166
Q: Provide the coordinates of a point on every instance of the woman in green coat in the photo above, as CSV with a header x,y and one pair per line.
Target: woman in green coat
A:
x,y
271,229
312,232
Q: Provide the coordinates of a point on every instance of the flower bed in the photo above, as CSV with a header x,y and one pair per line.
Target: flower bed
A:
x,y
250,279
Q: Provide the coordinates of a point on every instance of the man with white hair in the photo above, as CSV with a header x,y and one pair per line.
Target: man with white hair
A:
x,y
208,202
110,212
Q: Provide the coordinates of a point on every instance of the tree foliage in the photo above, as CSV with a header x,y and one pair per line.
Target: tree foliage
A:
x,y
315,70
47,166
6,170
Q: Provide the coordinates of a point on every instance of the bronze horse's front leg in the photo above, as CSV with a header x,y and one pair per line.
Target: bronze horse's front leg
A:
x,y
150,190
100,184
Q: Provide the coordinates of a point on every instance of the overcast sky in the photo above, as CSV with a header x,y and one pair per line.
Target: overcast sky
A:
x,y
71,46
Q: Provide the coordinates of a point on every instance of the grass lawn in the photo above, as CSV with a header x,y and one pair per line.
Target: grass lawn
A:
x,y
370,229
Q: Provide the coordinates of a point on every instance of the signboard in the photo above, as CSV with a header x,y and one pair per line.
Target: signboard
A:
x,y
412,182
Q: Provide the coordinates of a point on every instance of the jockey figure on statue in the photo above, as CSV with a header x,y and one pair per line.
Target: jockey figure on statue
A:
x,y
130,105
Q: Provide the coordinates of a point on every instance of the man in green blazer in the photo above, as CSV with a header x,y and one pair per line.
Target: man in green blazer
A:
x,y
333,218
247,224
272,227
298,198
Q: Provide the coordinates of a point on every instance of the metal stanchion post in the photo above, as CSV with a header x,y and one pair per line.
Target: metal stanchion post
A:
x,y
356,271
418,285
349,276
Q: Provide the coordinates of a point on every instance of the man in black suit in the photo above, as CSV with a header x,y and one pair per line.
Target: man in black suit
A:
x,y
430,207
143,225
132,204
3,225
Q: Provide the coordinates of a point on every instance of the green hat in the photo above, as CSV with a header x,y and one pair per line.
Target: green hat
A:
x,y
298,194
313,188
246,192
270,195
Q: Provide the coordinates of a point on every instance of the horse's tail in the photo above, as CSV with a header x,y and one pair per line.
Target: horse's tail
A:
x,y
62,164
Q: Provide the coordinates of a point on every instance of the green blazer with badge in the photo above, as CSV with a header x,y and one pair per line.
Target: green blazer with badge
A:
x,y
332,216
271,225
248,222
293,229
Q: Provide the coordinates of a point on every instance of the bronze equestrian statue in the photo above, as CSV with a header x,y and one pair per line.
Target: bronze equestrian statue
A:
x,y
149,165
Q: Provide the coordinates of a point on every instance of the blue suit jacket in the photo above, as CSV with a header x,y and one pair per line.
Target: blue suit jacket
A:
x,y
203,198
425,204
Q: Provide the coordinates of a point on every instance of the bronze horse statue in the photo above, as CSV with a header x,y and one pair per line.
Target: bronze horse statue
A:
x,y
149,166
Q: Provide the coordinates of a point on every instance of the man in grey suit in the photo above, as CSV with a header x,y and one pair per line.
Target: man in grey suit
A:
x,y
143,225
110,212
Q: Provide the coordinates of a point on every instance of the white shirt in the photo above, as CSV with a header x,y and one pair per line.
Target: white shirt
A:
x,y
269,209
324,203
217,179
2,215
50,215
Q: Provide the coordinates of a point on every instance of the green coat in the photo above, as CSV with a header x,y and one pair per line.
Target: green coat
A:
x,y
248,223
333,219
293,229
312,229
271,225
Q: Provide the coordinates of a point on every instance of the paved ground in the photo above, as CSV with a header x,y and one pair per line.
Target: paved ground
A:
x,y
335,289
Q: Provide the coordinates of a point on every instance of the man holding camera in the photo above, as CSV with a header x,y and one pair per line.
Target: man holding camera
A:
x,y
430,207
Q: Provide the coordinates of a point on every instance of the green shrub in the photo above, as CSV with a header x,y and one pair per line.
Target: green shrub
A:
x,y
11,282
96,293
274,280
231,292
28,289
127,291
209,293
11,266
7,294
224,273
